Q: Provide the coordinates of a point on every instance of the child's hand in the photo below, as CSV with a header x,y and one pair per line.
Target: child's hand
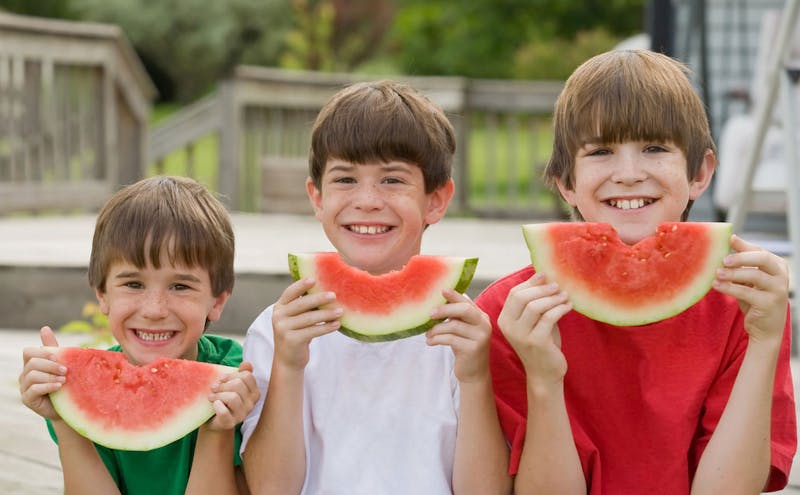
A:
x,y
528,321
296,320
467,330
759,280
41,375
233,397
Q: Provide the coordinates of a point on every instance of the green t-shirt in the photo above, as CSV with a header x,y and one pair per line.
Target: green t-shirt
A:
x,y
165,471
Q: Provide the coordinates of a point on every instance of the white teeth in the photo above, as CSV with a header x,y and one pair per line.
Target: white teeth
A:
x,y
368,229
154,337
628,204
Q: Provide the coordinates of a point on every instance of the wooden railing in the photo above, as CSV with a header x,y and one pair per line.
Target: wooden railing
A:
x,y
260,119
74,107
75,104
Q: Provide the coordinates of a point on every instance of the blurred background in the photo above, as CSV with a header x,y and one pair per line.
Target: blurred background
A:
x,y
95,94
98,93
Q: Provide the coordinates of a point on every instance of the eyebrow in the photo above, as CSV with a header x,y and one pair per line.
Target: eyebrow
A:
x,y
135,274
386,167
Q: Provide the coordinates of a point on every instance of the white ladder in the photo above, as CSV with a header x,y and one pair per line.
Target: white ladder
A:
x,y
781,77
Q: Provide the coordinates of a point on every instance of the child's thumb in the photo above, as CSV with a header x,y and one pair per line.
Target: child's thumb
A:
x,y
48,337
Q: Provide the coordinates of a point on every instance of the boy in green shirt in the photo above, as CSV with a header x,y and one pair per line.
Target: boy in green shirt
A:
x,y
162,269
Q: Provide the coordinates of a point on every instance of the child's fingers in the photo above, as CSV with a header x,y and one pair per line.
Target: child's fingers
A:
x,y
539,309
48,337
526,302
243,383
295,290
459,307
460,329
223,419
38,368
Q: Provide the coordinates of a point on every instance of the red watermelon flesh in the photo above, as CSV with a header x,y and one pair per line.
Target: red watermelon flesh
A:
x,y
625,285
390,306
127,407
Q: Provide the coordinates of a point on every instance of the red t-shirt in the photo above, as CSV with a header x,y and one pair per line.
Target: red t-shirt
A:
x,y
643,401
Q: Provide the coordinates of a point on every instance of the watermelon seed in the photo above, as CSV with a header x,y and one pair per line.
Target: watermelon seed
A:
x,y
154,370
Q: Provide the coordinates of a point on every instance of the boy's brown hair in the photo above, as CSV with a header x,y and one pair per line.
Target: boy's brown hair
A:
x,y
173,213
626,95
383,121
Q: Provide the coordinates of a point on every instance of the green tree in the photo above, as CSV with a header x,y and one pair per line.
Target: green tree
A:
x,y
336,35
194,43
59,9
481,38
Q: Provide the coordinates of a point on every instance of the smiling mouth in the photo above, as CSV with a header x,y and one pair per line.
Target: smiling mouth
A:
x,y
630,204
152,336
369,229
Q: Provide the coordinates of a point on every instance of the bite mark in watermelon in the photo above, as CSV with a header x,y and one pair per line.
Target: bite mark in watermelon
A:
x,y
386,307
127,407
610,281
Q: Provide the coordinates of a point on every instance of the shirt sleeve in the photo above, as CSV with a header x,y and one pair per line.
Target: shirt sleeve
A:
x,y
258,349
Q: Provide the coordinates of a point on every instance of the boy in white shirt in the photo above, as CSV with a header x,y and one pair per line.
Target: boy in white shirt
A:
x,y
341,416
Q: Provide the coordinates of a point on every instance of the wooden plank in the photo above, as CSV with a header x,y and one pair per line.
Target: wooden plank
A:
x,y
81,195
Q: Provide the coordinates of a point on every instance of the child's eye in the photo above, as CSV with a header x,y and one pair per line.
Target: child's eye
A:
x,y
655,148
598,152
133,284
180,287
393,180
344,180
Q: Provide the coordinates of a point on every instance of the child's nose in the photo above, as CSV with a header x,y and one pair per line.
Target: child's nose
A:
x,y
368,196
629,169
155,304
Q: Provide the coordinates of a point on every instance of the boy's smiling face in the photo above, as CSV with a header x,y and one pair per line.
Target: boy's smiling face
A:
x,y
374,214
634,185
159,312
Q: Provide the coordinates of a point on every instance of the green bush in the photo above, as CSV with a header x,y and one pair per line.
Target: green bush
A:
x,y
557,58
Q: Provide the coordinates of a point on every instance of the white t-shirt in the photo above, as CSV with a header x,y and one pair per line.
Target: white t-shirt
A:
x,y
378,418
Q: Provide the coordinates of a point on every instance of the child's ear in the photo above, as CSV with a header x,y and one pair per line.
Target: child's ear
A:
x,y
567,193
215,312
314,196
702,178
101,300
438,201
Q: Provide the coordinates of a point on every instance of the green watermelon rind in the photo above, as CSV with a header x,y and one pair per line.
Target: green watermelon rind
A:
x,y
399,324
595,307
178,426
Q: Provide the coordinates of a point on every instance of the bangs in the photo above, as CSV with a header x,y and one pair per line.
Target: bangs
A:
x,y
375,135
629,111
608,121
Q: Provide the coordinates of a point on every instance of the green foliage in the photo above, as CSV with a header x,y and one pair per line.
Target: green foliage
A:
x,y
480,38
61,9
331,35
308,45
94,324
196,42
557,58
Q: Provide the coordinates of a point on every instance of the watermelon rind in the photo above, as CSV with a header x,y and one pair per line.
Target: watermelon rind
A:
x,y
593,305
406,320
187,419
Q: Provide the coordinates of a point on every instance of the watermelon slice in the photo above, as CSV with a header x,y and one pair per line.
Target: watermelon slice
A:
x,y
391,306
610,281
126,407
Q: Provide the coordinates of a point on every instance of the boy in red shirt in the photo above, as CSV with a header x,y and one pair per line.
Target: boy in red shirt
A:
x,y
701,402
